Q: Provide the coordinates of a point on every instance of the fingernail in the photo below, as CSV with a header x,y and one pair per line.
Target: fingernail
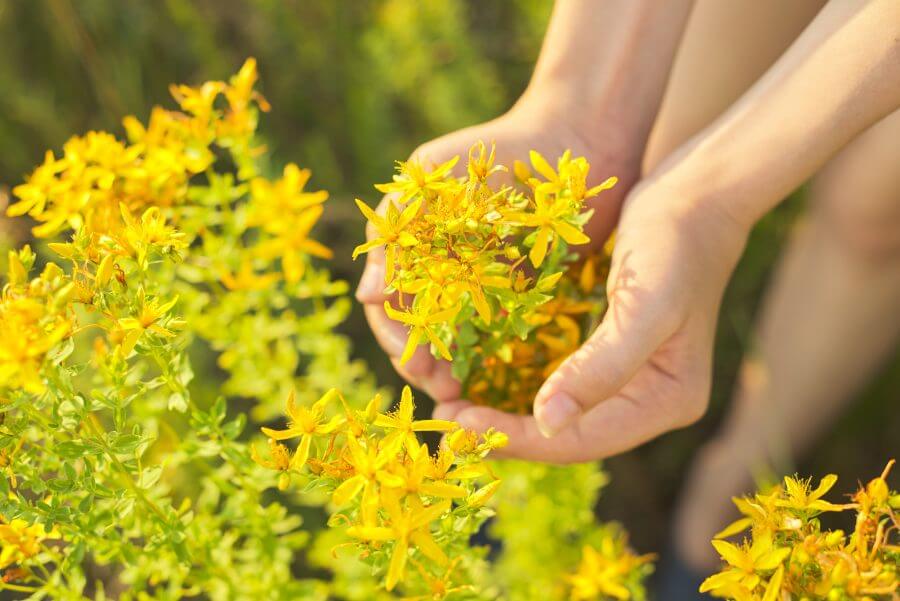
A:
x,y
371,284
556,413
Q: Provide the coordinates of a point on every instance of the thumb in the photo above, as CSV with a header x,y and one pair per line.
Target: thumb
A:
x,y
624,341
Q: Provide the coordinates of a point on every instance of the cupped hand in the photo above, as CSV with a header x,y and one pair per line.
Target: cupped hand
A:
x,y
647,368
525,128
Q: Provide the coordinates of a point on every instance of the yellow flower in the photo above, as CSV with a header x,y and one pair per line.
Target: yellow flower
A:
x,y
549,216
198,101
306,423
404,425
481,162
761,512
745,564
152,231
414,179
17,272
81,187
291,242
800,498
240,90
280,461
240,120
149,316
34,318
20,541
411,477
475,277
422,319
369,465
571,176
271,202
407,527
246,277
391,232
28,332
604,570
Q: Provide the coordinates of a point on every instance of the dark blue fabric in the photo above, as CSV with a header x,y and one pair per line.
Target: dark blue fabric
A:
x,y
674,580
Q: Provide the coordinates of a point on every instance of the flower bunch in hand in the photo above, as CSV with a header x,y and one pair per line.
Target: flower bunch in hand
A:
x,y
410,513
788,555
478,268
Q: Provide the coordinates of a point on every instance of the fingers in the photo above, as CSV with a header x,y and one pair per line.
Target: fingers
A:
x,y
371,284
438,383
630,333
422,370
612,427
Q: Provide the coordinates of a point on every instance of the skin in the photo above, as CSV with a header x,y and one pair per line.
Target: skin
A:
x,y
829,321
647,368
818,340
578,99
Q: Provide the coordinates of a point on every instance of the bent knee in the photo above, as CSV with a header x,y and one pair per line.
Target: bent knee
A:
x,y
863,232
856,197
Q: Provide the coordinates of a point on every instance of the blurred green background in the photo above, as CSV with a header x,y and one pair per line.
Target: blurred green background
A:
x,y
355,85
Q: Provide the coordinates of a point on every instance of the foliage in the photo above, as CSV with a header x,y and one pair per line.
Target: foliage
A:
x,y
178,246
173,250
788,555
402,504
562,537
339,72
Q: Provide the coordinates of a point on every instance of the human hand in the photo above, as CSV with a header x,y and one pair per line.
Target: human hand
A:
x,y
647,367
531,125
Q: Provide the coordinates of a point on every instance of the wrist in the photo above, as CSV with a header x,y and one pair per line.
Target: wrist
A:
x,y
584,124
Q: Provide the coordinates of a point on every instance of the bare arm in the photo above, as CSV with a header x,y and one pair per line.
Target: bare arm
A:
x,y
613,60
840,77
595,90
647,368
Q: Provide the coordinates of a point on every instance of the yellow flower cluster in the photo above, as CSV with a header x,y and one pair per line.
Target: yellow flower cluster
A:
x,y
483,263
510,376
789,556
34,317
609,570
399,502
21,541
169,239
128,204
99,181
97,173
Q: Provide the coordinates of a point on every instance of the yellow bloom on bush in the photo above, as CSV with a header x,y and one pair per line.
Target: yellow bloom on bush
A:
x,y
400,503
788,555
172,239
609,570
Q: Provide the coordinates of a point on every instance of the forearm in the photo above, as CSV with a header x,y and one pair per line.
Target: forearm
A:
x,y
841,76
609,62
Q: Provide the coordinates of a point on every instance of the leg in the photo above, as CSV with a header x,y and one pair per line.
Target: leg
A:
x,y
727,46
839,281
